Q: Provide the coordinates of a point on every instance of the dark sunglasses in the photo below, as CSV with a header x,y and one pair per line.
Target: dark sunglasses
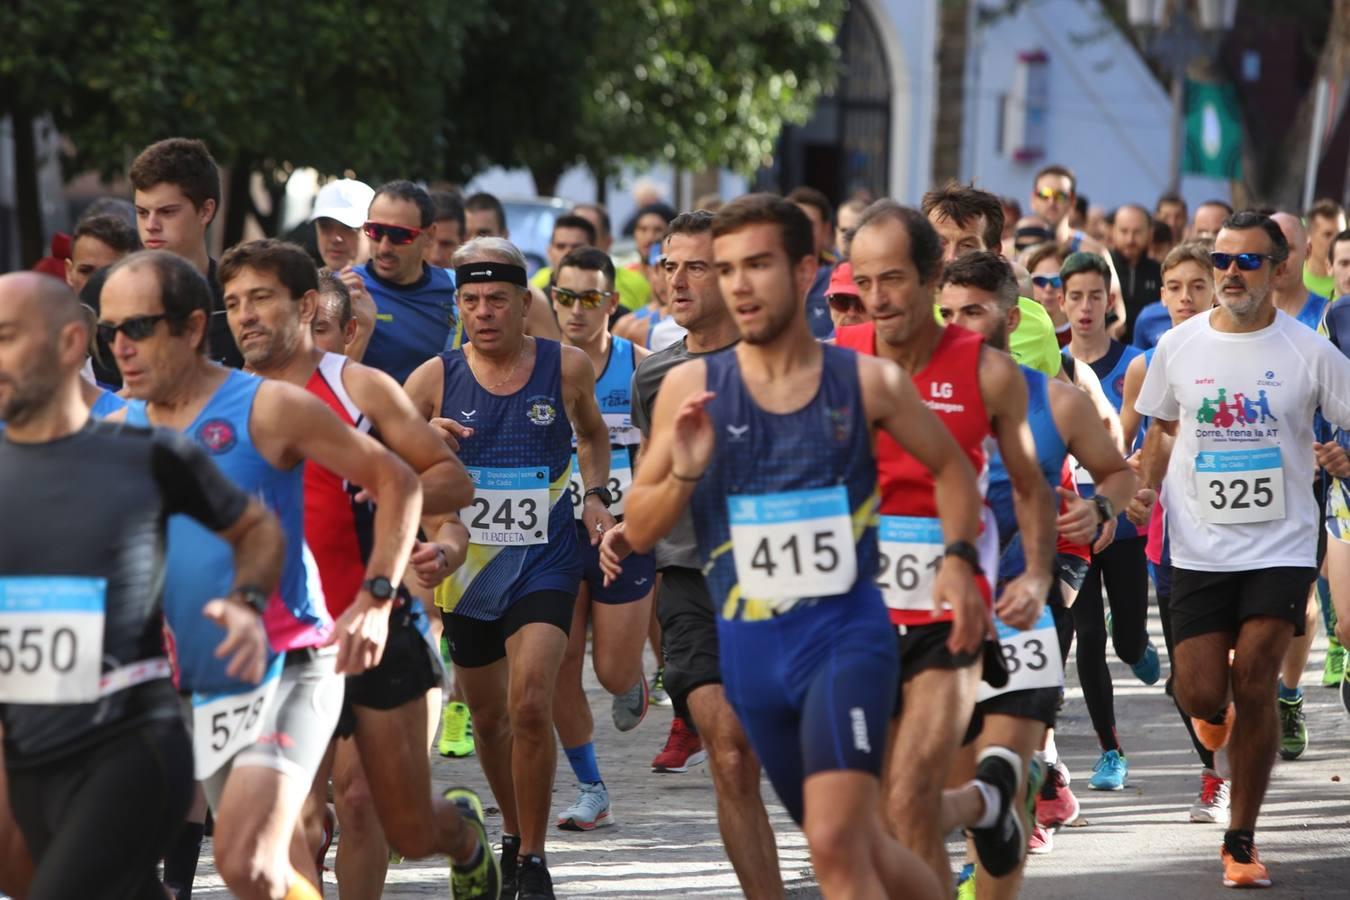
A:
x,y
1246,262
136,328
843,303
397,234
1044,281
589,299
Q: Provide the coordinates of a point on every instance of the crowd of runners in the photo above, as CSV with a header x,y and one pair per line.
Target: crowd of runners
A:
x,y
282,524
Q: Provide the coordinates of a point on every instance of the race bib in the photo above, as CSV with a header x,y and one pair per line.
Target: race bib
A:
x,y
510,506
620,480
1237,487
51,639
1081,476
911,554
224,724
622,432
1031,656
793,545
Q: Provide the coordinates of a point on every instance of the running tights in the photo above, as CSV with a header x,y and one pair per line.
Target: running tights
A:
x,y
1122,569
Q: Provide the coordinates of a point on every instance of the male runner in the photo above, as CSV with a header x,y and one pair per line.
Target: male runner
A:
x,y
783,493
340,210
271,293
584,297
508,608
974,392
93,735
1232,394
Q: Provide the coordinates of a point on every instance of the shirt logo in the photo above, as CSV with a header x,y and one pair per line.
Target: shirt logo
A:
x,y
858,719
1269,380
737,432
1235,412
541,410
217,436
840,421
468,413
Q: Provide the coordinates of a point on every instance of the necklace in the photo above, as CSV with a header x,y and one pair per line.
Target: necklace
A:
x,y
520,354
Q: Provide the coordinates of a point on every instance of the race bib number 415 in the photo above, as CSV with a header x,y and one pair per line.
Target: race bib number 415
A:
x,y
510,506
1237,487
794,544
51,639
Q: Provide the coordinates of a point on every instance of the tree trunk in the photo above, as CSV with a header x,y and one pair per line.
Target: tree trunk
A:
x,y
28,203
238,203
546,177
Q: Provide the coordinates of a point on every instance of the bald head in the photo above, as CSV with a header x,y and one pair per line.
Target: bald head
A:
x,y
33,293
43,343
1297,236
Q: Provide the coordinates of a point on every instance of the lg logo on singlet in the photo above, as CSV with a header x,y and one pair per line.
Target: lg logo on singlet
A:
x,y
942,390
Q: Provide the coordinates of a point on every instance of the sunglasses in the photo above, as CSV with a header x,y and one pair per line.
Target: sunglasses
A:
x,y
1045,281
844,303
136,328
1246,262
588,299
1051,194
397,234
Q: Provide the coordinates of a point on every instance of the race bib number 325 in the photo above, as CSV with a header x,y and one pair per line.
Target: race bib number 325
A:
x,y
510,506
793,545
51,639
1237,487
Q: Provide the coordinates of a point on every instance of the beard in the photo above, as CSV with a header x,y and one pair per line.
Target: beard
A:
x,y
777,321
33,391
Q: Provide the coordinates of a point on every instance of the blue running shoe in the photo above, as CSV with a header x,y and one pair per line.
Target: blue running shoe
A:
x,y
1110,772
1148,669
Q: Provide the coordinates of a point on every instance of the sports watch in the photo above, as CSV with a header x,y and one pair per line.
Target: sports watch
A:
x,y
603,493
379,587
254,597
1105,511
965,550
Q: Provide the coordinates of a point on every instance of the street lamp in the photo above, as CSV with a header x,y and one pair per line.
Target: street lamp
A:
x,y
1174,33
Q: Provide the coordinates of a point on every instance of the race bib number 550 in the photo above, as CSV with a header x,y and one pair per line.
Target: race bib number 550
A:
x,y
794,544
510,506
1237,487
51,639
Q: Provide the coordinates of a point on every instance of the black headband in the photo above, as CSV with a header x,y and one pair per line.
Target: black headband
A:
x,y
479,272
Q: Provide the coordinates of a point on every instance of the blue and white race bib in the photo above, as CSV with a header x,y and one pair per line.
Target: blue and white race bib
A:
x,y
620,480
911,554
510,506
1237,487
51,639
794,544
224,724
1032,657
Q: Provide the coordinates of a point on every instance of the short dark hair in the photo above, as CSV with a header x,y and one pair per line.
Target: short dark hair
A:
x,y
794,228
1081,262
182,289
111,230
663,210
483,201
1248,219
331,285
1325,208
600,213
413,193
1057,169
963,203
925,247
1189,251
1341,237
1162,233
1040,252
571,220
290,263
700,221
184,162
449,206
588,259
1171,197
809,196
986,271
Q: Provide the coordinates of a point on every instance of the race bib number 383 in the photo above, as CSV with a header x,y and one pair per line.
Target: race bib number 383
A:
x,y
794,544
1237,487
51,639
620,480
510,506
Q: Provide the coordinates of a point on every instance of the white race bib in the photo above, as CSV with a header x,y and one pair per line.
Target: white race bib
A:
x,y
1032,657
794,544
510,506
51,639
224,724
1236,487
911,554
622,432
620,480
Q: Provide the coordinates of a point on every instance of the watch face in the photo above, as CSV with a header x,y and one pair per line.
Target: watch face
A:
x,y
381,588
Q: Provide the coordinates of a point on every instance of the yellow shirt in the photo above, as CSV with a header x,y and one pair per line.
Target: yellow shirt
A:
x,y
1033,342
634,291
1323,286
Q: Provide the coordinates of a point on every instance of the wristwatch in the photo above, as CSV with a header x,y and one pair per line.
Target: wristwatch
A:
x,y
603,493
965,550
253,596
1105,511
379,587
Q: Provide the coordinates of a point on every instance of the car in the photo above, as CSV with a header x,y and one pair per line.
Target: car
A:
x,y
530,221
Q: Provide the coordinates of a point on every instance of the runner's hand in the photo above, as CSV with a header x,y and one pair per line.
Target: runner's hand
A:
x,y
451,432
1332,457
614,549
361,634
433,563
1077,524
695,440
598,519
245,639
364,309
1108,535
1135,461
954,588
1020,604
1141,506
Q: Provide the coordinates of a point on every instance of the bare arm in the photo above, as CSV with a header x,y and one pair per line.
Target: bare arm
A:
x,y
1129,416
539,320
1088,441
1158,443
364,312
660,492
592,436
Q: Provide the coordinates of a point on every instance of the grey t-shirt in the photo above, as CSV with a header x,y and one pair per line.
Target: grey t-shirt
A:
x,y
679,548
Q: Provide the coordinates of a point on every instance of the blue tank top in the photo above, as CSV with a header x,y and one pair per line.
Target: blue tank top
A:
x,y
413,322
614,394
106,404
200,565
1050,454
824,448
1311,313
520,459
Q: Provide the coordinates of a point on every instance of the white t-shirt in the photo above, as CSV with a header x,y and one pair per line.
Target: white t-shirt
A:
x,y
1239,484
665,333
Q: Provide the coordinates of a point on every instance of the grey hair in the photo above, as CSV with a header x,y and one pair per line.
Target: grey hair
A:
x,y
490,249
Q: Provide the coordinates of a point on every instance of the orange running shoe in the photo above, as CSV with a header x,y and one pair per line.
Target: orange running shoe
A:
x,y
1214,737
1251,874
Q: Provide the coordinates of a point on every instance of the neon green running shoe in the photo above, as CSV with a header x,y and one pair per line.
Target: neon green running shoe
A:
x,y
483,880
1333,669
456,731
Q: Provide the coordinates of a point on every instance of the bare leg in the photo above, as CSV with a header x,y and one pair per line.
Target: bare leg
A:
x,y
571,711
533,655
485,692
362,853
1261,645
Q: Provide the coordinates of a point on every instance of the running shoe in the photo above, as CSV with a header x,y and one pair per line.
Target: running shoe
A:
x,y
1036,777
1056,805
1213,736
965,883
683,749
1042,840
1211,806
1148,669
589,811
510,866
456,731
535,883
658,689
1333,667
484,878
1293,729
629,708
1243,867
1110,772
1001,845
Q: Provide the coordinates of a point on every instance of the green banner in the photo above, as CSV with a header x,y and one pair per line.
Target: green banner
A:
x,y
1213,131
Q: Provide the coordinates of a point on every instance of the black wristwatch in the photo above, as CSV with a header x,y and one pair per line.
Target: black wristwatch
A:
x,y
965,550
379,587
253,596
603,493
1105,511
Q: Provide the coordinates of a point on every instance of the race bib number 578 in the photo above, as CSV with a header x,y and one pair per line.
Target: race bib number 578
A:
x,y
794,544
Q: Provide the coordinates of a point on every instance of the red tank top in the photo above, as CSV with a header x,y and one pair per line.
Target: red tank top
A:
x,y
337,529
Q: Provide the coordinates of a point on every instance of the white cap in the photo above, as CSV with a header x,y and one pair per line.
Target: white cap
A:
x,y
345,200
